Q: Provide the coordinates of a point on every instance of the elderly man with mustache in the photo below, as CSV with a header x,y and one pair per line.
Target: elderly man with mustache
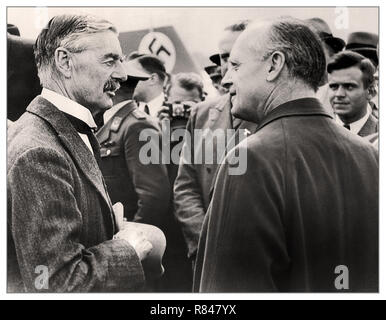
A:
x,y
62,235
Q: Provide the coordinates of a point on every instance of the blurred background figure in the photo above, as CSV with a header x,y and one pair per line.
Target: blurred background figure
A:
x,y
351,82
228,38
183,92
149,93
23,83
185,86
214,73
331,45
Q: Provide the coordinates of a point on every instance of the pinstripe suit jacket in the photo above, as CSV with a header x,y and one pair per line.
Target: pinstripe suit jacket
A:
x,y
59,213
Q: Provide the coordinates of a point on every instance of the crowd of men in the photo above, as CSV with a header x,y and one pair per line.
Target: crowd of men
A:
x,y
302,107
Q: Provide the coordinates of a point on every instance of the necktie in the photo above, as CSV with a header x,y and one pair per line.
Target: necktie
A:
x,y
146,109
83,128
347,126
99,120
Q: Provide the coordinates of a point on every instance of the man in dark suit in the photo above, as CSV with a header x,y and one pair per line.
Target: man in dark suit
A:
x,y
143,188
193,183
304,216
351,82
62,235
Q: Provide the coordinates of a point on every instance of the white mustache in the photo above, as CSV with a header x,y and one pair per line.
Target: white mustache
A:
x,y
111,86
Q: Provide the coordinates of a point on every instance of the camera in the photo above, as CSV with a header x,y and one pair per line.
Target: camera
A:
x,y
178,110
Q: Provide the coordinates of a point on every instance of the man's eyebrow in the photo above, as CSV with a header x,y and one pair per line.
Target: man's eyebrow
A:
x,y
114,56
344,82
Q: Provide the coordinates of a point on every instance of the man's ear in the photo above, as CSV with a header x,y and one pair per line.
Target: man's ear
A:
x,y
276,64
371,92
154,79
63,61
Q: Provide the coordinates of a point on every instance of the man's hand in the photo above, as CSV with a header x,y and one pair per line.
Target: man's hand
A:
x,y
137,240
133,236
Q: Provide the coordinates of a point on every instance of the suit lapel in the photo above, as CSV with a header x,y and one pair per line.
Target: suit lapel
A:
x,y
72,142
370,127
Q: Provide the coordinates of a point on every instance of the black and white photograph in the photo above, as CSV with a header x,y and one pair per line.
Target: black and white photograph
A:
x,y
192,150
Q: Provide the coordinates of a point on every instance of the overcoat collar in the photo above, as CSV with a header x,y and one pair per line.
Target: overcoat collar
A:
x,y
299,107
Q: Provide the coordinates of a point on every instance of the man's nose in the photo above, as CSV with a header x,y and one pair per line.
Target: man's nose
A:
x,y
341,92
120,72
227,80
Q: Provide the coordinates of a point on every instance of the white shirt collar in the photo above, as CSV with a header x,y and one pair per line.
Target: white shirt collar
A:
x,y
154,105
69,106
356,126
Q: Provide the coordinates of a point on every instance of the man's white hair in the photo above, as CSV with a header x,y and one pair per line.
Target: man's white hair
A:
x,y
67,31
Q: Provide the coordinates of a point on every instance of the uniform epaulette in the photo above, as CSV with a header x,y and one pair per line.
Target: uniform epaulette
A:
x,y
123,113
139,114
117,121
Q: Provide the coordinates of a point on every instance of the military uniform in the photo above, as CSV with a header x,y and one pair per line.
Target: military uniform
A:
x,y
143,189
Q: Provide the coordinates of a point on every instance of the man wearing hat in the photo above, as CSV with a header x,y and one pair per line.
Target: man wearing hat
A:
x,y
142,188
149,92
331,45
229,36
364,43
214,73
